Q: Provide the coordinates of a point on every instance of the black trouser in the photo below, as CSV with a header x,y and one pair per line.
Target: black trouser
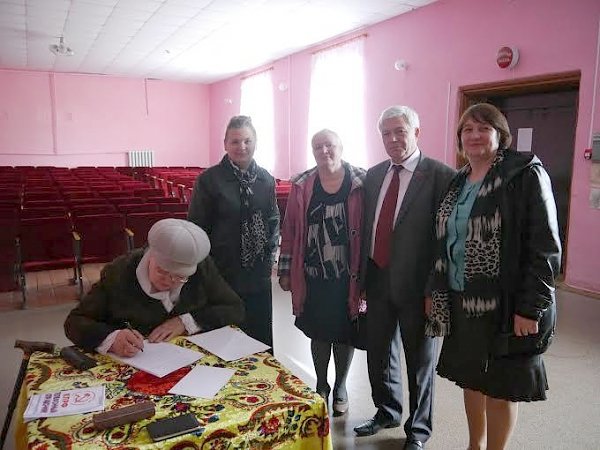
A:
x,y
394,326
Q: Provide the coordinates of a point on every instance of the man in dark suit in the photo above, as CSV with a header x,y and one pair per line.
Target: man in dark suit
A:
x,y
401,198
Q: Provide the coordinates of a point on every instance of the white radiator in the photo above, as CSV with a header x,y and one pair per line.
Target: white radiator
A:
x,y
141,158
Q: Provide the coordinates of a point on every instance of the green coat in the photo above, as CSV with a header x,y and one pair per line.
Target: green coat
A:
x,y
118,298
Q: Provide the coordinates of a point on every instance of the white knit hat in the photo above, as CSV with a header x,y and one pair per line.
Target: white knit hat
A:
x,y
178,245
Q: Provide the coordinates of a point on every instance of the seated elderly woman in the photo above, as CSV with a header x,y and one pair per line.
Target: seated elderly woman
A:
x,y
168,289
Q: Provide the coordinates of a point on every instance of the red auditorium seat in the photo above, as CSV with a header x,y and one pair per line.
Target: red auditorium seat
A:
x,y
171,190
77,194
14,190
44,243
125,200
93,209
99,238
148,192
9,223
132,184
188,194
73,185
163,200
43,203
37,196
10,201
73,202
125,170
116,193
104,187
138,225
10,211
128,208
50,211
182,193
282,192
179,215
174,207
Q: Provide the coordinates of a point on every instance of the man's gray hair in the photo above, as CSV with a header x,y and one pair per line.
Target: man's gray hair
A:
x,y
409,115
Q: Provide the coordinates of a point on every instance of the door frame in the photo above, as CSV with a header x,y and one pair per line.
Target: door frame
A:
x,y
563,81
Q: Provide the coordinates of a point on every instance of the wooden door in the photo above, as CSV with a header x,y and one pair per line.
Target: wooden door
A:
x,y
553,117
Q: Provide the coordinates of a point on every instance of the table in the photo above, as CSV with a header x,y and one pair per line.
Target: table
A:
x,y
264,406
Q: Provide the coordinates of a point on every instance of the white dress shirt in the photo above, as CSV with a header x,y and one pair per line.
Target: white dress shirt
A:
x,y
405,175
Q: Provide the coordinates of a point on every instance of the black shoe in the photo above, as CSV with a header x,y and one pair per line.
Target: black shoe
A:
x,y
413,444
372,426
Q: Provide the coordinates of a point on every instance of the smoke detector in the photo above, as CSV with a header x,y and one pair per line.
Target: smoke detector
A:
x,y
61,49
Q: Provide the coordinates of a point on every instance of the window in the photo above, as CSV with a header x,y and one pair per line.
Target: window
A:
x,y
337,98
257,102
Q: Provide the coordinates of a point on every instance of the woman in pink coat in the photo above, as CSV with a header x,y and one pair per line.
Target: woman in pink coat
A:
x,y
320,259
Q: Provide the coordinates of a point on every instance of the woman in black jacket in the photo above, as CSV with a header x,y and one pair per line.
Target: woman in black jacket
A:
x,y
234,202
493,277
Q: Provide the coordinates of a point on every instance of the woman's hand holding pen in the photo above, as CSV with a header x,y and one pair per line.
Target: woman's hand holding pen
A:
x,y
128,342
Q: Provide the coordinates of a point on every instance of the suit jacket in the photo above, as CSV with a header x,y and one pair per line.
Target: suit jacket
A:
x,y
413,239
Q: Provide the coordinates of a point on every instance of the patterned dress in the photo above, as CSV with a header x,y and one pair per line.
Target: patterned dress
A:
x,y
325,315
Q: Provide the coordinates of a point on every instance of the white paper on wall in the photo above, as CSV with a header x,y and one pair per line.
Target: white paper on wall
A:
x,y
524,139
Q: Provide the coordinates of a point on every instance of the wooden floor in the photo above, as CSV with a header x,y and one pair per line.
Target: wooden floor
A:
x,y
50,287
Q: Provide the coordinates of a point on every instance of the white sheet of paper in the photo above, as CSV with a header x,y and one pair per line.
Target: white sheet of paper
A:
x,y
65,403
160,358
524,139
228,343
203,381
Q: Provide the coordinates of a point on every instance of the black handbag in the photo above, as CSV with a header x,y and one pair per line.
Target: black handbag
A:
x,y
358,337
506,343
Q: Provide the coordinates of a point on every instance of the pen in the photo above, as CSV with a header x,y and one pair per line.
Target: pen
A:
x,y
129,327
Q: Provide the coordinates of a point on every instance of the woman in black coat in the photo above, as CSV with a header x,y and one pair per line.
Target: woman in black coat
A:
x,y
493,278
234,202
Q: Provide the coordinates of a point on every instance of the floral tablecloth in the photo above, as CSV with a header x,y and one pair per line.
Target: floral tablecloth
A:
x,y
264,406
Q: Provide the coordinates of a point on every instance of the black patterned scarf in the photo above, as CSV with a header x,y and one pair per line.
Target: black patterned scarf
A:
x,y
482,251
253,229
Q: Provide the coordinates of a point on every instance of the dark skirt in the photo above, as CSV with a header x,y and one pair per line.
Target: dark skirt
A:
x,y
466,359
325,313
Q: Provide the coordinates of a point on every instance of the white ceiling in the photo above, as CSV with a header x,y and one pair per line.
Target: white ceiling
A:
x,y
185,40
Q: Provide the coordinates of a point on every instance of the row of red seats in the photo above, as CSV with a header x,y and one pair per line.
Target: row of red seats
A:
x,y
44,243
35,174
81,207
8,196
175,182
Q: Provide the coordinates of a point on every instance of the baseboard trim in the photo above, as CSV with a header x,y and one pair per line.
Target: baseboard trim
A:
x,y
565,287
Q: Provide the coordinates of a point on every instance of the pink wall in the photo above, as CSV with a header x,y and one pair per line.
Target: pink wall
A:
x,y
449,44
72,120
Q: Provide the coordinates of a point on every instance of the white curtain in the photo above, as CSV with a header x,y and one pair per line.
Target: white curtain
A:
x,y
257,102
337,98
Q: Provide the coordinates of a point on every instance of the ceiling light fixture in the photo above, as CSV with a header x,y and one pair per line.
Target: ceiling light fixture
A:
x,y
61,49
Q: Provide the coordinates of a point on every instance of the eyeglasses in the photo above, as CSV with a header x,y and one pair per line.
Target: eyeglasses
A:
x,y
174,278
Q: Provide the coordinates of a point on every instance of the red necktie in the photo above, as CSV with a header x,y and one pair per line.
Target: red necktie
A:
x,y
385,224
